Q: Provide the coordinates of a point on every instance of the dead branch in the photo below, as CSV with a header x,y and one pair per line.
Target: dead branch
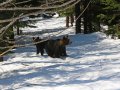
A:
x,y
5,3
37,8
22,2
38,12
19,17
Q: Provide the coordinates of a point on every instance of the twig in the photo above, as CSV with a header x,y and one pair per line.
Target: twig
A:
x,y
6,2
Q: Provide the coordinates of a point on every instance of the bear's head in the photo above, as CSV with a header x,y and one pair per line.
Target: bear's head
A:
x,y
36,39
65,40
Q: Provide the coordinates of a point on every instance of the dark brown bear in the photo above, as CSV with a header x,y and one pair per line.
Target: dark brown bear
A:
x,y
40,45
57,48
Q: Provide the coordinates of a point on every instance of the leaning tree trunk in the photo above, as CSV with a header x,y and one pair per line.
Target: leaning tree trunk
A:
x,y
78,19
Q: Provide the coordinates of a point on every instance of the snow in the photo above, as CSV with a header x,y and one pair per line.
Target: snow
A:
x,y
93,63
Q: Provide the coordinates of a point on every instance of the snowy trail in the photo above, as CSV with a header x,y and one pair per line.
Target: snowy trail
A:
x,y
93,64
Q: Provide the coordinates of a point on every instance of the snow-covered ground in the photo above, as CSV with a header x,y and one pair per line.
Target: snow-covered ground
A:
x,y
93,63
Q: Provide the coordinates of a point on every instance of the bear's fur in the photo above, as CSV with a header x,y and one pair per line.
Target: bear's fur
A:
x,y
57,48
54,48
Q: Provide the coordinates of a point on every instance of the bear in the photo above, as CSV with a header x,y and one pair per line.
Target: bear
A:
x,y
62,50
40,45
53,47
57,48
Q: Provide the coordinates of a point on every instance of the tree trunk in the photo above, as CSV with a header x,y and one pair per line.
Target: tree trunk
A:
x,y
90,17
12,34
87,19
72,19
78,20
18,30
67,21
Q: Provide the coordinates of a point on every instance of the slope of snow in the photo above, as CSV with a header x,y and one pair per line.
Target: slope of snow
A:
x,y
93,63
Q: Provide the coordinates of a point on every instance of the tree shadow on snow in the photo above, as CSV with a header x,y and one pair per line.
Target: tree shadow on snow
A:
x,y
56,75
63,72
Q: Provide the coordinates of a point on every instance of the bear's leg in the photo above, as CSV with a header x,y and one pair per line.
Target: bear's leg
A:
x,y
49,52
37,49
56,52
42,51
63,51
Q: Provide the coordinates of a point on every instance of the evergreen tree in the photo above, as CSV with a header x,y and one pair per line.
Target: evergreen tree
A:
x,y
109,15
